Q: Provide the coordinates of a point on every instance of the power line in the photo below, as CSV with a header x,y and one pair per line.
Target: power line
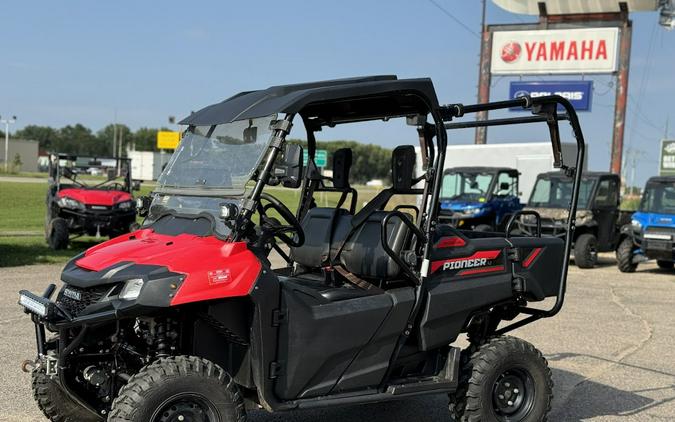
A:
x,y
457,20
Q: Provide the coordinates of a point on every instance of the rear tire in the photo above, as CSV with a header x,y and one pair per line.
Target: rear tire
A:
x,y
586,251
56,405
181,385
665,265
503,370
624,256
58,234
483,228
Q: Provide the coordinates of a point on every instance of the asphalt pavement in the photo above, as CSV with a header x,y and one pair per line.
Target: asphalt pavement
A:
x,y
611,349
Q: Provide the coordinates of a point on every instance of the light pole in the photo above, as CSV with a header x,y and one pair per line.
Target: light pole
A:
x,y
7,122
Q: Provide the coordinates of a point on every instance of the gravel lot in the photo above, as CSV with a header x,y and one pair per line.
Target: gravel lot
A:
x,y
611,350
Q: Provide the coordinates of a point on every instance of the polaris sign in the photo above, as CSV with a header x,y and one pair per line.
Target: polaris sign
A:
x,y
579,93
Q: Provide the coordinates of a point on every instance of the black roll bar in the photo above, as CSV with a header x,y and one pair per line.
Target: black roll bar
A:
x,y
385,241
544,110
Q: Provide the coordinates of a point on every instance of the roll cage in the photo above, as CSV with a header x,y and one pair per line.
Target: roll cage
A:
x,y
330,103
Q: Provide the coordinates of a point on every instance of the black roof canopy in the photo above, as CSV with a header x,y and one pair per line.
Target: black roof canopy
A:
x,y
326,102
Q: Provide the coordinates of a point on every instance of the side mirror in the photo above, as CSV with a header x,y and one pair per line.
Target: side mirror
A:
x,y
136,185
143,205
288,171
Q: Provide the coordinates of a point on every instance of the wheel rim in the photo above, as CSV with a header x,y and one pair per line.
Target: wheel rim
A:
x,y
593,252
186,407
513,395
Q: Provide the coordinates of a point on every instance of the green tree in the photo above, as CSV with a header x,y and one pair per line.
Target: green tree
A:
x,y
105,138
145,139
368,161
76,139
46,136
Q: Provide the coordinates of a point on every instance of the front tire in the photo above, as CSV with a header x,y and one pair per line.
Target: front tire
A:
x,y
624,256
187,386
58,234
586,251
56,405
505,379
665,265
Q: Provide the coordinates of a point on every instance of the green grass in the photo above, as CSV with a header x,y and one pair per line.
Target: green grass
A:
x,y
28,250
22,209
22,206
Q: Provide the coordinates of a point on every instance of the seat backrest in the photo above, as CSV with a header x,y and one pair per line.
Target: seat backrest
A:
x,y
318,225
363,254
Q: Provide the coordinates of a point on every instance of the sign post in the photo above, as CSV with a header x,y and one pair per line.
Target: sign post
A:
x,y
667,159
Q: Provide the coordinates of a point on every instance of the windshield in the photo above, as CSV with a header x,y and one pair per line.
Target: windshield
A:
x,y
659,198
472,187
217,160
556,192
91,173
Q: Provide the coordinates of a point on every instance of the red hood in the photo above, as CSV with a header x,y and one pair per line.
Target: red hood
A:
x,y
214,268
96,196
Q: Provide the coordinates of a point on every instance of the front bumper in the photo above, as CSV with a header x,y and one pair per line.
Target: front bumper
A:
x,y
655,246
91,220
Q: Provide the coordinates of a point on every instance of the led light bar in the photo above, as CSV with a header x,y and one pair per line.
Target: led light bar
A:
x,y
658,236
33,303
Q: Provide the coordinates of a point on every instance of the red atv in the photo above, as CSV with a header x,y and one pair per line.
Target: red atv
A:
x,y
186,320
75,208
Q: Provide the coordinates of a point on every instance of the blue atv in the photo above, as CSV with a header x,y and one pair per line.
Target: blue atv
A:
x,y
479,198
651,234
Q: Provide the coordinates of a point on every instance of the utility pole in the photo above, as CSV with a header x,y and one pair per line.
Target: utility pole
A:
x,y
7,122
484,75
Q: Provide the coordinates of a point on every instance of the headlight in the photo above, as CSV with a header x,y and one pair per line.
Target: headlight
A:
x,y
66,202
125,205
636,224
132,288
471,211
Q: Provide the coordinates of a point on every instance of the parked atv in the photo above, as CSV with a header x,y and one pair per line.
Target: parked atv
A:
x,y
186,320
598,218
479,198
76,208
651,233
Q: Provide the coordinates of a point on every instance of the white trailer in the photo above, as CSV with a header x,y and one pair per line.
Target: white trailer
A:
x,y
529,158
147,165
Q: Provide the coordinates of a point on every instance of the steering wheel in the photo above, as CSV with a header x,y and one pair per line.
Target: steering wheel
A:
x,y
280,230
116,186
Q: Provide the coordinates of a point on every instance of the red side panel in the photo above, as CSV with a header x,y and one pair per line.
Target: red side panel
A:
x,y
213,268
96,196
451,242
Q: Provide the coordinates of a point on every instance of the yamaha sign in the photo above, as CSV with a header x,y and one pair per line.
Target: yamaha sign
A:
x,y
557,51
579,93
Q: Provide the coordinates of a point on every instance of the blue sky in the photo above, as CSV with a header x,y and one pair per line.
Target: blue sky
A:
x,y
82,61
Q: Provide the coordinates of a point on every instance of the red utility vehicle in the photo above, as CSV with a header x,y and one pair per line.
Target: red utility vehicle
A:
x,y
186,320
76,208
